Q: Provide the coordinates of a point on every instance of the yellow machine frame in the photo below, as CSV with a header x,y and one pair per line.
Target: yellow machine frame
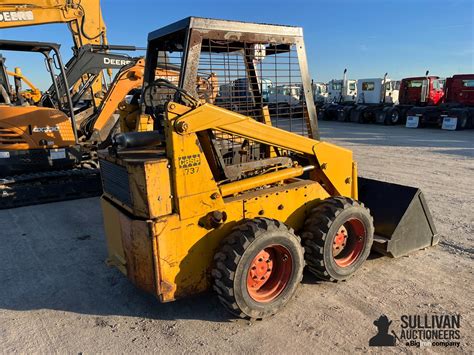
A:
x,y
177,219
169,239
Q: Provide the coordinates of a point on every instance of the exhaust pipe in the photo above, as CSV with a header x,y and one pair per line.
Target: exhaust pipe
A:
x,y
384,89
343,86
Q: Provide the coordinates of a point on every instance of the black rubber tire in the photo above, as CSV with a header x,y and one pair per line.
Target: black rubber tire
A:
x,y
403,115
463,120
341,115
232,261
355,116
319,232
392,117
344,114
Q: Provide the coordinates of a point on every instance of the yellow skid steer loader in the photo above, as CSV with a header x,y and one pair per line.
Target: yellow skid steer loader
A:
x,y
240,194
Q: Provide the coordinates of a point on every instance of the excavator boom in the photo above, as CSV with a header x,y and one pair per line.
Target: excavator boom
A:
x,y
84,17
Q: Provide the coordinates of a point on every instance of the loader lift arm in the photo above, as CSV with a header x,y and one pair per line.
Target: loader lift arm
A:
x,y
334,164
101,126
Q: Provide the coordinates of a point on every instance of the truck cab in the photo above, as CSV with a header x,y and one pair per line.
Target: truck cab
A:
x,y
377,90
424,98
338,92
320,92
289,94
423,90
458,109
239,91
460,89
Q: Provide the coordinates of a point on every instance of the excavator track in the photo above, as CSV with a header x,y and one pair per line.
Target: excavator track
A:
x,y
50,186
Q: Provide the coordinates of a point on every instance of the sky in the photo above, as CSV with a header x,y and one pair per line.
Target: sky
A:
x,y
368,37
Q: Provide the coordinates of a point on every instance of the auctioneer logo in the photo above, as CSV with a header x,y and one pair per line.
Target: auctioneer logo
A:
x,y
441,330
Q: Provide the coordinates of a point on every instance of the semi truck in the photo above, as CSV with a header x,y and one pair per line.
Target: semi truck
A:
x,y
377,98
387,101
342,95
320,93
451,109
281,99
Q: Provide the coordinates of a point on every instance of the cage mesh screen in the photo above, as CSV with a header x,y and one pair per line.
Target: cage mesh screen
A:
x,y
260,80
256,80
253,76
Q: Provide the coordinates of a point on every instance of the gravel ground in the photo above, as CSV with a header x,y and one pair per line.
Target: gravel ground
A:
x,y
58,295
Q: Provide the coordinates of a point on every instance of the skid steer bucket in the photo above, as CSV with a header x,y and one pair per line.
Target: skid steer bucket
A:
x,y
402,220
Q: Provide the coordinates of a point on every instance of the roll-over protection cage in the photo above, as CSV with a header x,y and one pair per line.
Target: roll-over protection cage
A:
x,y
255,65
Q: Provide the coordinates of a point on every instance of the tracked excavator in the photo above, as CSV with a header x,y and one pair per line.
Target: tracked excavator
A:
x,y
26,158
33,138
91,50
48,153
83,18
225,195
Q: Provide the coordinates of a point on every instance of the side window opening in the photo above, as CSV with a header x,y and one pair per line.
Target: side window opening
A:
x,y
368,86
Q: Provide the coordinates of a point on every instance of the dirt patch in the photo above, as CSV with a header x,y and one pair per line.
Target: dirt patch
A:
x,y
58,294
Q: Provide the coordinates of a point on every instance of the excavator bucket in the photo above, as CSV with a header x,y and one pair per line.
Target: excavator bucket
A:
x,y
402,220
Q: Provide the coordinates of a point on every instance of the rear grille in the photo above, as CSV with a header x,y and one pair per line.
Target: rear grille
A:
x,y
115,181
8,136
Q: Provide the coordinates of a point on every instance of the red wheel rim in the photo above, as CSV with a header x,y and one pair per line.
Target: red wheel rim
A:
x,y
349,242
269,273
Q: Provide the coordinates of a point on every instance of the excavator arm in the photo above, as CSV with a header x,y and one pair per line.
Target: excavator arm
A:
x,y
84,19
129,78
